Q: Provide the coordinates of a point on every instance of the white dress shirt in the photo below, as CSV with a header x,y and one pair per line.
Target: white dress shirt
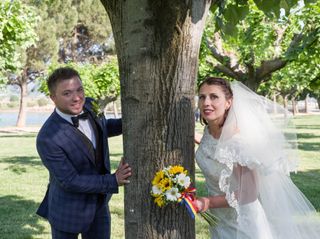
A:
x,y
84,126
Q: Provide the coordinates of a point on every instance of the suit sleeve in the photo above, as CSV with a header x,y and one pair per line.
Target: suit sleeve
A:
x,y
61,169
114,127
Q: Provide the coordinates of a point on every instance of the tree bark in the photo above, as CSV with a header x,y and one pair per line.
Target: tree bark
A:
x,y
21,121
157,45
306,107
294,106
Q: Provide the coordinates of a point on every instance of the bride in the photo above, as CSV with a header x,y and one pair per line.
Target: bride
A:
x,y
246,159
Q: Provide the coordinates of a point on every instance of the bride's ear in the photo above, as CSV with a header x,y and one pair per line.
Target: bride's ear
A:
x,y
228,104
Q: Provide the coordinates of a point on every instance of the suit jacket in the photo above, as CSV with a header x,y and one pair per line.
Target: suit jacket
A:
x,y
75,185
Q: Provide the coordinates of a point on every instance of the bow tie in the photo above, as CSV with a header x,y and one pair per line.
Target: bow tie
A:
x,y
75,119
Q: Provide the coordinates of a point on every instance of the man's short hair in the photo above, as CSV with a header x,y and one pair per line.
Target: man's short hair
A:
x,y
60,74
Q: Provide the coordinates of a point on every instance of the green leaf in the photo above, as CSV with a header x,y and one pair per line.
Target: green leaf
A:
x,y
270,7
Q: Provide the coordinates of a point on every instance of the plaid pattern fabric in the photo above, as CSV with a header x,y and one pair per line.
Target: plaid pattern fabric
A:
x,y
75,184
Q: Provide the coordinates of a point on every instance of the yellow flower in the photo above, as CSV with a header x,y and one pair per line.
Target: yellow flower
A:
x,y
159,201
177,169
165,184
157,178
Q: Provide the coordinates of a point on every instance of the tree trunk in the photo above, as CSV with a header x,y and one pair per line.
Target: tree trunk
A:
x,y
252,82
21,122
115,110
274,96
285,101
157,45
306,104
295,109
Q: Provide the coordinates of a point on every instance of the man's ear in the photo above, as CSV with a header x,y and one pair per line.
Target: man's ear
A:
x,y
52,97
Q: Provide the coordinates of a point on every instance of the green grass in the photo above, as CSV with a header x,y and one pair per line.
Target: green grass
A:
x,y
23,181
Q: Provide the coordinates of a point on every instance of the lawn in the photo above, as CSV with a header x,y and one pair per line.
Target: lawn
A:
x,y
23,181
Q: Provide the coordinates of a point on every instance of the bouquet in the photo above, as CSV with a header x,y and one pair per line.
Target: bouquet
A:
x,y
172,185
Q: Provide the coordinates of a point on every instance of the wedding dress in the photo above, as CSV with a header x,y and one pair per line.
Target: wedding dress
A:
x,y
250,164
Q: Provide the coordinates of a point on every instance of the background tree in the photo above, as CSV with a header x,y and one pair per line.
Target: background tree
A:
x,y
259,47
299,78
65,33
17,23
314,89
18,32
84,31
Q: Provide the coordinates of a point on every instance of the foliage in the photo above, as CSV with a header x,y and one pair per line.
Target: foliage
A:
x,y
99,81
17,33
259,46
301,76
79,30
230,12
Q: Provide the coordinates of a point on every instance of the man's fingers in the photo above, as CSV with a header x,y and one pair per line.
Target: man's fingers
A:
x,y
123,172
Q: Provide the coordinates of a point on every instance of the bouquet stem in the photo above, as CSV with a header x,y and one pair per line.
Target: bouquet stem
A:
x,y
210,218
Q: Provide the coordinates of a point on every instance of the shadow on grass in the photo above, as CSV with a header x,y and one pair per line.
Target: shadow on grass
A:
x,y
116,155
309,146
307,136
15,135
19,164
307,126
18,218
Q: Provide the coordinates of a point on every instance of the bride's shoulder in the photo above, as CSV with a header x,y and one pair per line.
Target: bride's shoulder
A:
x,y
235,136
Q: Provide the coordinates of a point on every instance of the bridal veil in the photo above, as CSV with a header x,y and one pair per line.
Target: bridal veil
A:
x,y
258,146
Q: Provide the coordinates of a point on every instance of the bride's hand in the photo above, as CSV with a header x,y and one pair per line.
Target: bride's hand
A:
x,y
202,204
197,137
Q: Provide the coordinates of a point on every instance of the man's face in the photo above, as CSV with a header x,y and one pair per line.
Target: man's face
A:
x,y
69,96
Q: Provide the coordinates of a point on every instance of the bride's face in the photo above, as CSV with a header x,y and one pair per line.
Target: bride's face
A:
x,y
213,103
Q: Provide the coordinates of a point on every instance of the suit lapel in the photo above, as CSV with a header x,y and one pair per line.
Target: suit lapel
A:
x,y
72,134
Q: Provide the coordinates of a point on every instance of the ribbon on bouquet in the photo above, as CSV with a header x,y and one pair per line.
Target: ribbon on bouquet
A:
x,y
187,198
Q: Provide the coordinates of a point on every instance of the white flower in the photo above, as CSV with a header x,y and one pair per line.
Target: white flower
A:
x,y
156,190
173,194
183,180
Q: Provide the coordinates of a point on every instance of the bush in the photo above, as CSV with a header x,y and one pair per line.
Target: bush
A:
x,y
14,98
31,104
13,104
42,102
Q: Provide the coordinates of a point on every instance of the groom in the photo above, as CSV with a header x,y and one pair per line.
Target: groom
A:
x,y
73,146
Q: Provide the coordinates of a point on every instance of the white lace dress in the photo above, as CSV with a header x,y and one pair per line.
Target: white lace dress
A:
x,y
252,214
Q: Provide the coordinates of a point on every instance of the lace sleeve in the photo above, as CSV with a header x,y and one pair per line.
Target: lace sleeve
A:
x,y
239,180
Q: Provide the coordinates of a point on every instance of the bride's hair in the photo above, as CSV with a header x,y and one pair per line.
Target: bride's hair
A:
x,y
226,88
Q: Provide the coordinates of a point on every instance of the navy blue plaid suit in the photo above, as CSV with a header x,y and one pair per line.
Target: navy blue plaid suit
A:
x,y
75,186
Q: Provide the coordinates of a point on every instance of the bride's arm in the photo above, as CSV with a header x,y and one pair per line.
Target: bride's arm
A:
x,y
246,190
204,203
197,137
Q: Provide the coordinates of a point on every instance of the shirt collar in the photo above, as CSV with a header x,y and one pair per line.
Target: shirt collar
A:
x,y
65,116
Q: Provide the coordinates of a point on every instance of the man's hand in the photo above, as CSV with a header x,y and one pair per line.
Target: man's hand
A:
x,y
123,173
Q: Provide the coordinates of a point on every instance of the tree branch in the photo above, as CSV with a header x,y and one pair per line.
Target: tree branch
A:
x,y
268,67
229,72
225,66
219,57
